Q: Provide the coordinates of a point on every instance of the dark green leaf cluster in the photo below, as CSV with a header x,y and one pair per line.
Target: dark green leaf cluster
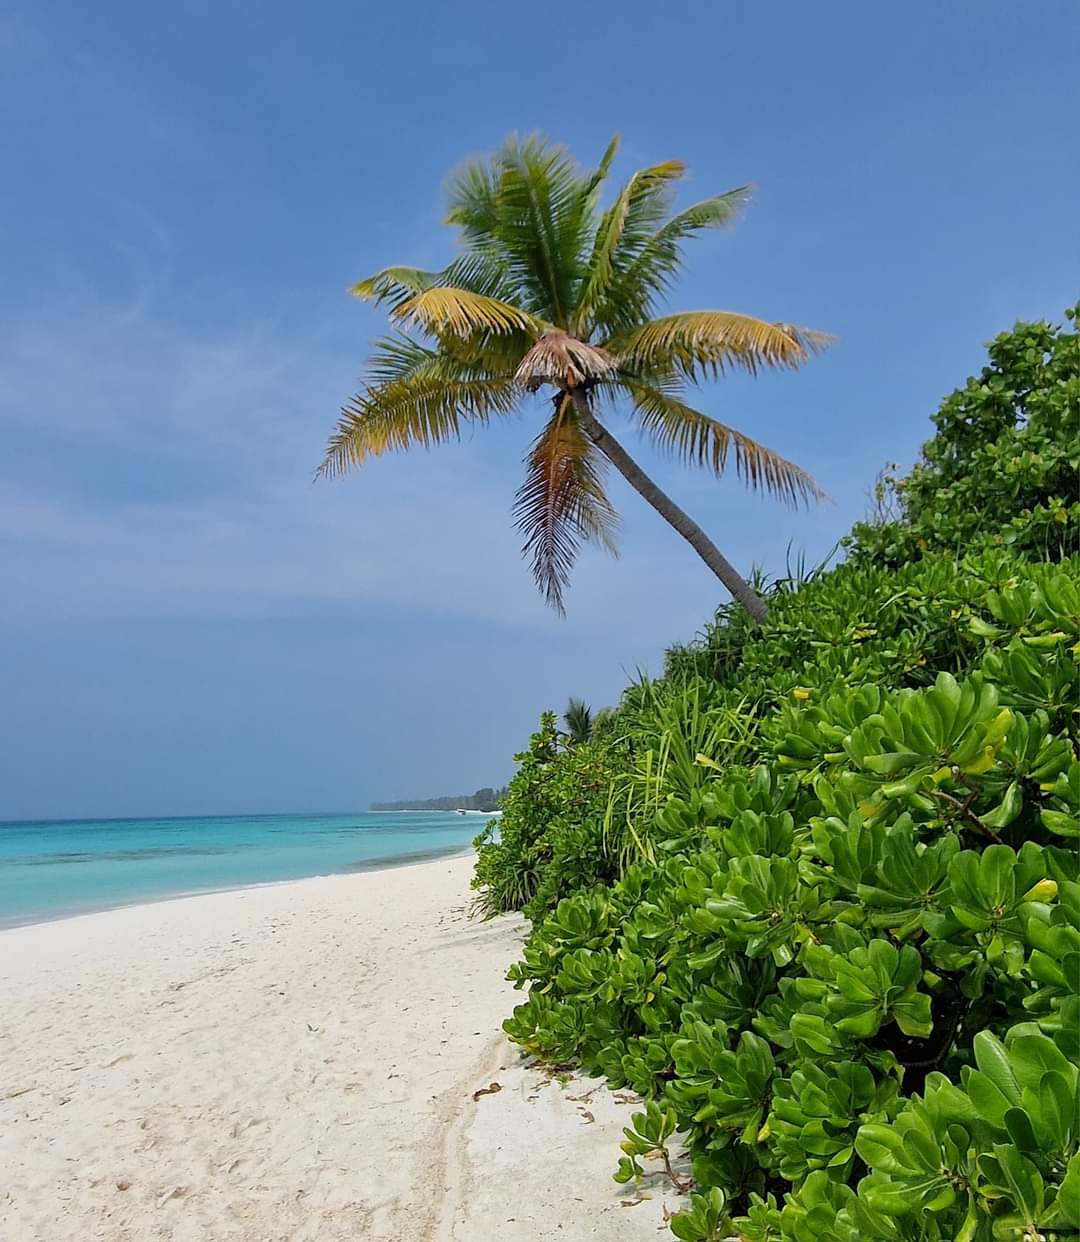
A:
x,y
834,942
1002,468
549,839
801,977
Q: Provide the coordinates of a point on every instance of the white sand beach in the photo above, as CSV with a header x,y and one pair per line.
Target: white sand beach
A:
x,y
294,1062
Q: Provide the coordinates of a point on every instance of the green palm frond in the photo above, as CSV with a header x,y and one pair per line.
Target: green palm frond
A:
x,y
603,168
578,719
624,228
480,272
426,406
475,272
496,353
400,357
472,203
544,217
394,285
651,271
706,343
529,211
562,502
651,194
698,440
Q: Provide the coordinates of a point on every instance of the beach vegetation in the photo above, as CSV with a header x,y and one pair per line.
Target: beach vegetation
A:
x,y
826,918
552,290
1003,464
549,838
578,719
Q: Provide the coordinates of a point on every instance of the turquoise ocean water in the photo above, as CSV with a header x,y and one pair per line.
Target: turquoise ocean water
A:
x,y
51,869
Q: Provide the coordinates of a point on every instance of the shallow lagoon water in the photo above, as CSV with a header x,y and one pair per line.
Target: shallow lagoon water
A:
x,y
50,869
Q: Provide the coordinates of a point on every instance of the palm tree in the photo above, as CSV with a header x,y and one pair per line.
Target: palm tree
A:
x,y
578,721
549,289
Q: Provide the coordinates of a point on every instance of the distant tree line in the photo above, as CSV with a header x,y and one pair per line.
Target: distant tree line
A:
x,y
486,799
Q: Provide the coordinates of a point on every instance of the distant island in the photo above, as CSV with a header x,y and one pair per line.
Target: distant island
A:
x,y
483,800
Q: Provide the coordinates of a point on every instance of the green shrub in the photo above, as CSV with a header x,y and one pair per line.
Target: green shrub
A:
x,y
808,963
820,906
1002,468
549,838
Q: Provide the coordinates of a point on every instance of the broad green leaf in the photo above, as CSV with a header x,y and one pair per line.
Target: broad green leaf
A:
x,y
1020,1130
992,1059
1068,1198
1057,1108
1031,1056
881,1148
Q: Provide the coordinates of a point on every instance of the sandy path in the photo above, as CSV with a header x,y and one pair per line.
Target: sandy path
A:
x,y
294,1062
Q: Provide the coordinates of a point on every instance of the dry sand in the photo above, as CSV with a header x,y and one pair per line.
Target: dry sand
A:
x,y
293,1062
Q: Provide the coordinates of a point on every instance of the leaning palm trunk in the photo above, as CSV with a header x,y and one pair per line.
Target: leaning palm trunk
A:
x,y
548,290
740,589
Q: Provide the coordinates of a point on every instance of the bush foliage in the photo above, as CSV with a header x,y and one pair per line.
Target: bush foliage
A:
x,y
549,838
815,893
1003,464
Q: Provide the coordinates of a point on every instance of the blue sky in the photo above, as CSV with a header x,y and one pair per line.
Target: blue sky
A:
x,y
187,624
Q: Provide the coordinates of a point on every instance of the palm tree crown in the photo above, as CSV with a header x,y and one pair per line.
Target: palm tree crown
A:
x,y
578,719
548,289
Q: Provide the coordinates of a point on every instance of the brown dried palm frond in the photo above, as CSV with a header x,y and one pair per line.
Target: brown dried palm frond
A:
x,y
698,343
562,502
699,440
561,359
462,312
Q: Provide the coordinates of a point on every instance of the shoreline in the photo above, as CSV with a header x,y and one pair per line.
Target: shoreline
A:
x,y
317,1060
385,863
